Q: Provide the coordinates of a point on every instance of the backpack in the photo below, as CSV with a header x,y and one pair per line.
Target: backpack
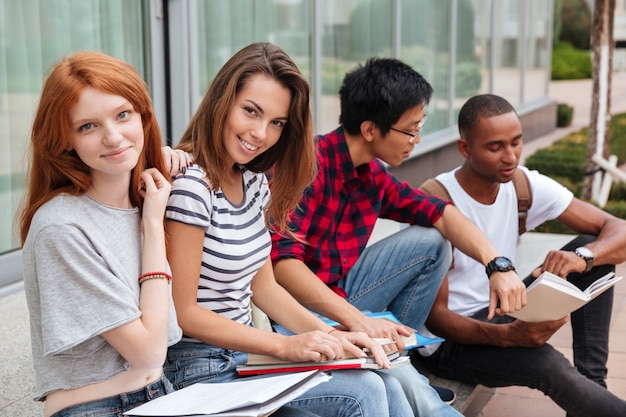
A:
x,y
522,189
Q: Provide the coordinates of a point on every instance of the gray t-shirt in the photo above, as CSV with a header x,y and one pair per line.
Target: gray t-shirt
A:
x,y
81,264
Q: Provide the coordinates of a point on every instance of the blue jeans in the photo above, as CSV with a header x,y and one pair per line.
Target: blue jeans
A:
x,y
117,405
402,274
349,393
579,390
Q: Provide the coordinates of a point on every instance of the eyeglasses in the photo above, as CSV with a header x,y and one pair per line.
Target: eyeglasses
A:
x,y
412,136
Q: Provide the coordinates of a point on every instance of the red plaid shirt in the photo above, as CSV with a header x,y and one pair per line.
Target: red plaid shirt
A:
x,y
337,213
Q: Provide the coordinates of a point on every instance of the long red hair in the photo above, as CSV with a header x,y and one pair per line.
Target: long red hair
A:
x,y
53,169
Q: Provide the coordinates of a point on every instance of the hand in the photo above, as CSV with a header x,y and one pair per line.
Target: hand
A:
x,y
313,346
155,190
524,334
508,290
176,161
561,263
353,342
383,328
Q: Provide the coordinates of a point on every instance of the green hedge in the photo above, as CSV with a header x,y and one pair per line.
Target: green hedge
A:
x,y
564,161
564,115
569,63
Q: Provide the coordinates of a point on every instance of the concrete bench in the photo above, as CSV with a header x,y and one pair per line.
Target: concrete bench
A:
x,y
470,398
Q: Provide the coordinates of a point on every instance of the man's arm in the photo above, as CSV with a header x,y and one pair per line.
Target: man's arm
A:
x,y
506,288
608,248
460,329
314,294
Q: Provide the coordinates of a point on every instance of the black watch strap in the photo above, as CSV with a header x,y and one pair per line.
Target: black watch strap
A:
x,y
500,264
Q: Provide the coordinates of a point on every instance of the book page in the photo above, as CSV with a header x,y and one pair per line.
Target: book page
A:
x,y
255,396
550,297
548,278
599,284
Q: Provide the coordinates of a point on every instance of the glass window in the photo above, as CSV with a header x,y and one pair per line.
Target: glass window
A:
x,y
537,50
483,41
348,39
33,35
506,37
226,26
426,39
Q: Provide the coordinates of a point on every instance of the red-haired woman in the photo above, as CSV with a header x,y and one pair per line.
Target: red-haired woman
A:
x,y
95,268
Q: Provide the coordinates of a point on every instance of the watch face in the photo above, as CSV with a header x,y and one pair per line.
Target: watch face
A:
x,y
584,252
502,263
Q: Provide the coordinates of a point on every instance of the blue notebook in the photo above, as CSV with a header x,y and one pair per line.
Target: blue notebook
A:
x,y
410,342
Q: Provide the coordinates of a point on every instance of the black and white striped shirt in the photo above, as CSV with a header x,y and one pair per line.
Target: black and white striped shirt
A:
x,y
236,240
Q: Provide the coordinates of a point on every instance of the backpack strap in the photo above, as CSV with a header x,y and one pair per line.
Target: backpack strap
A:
x,y
524,198
521,184
434,187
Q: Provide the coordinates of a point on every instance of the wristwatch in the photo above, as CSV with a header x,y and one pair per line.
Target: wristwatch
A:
x,y
500,264
587,255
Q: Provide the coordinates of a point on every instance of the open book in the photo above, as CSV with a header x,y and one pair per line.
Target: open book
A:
x,y
248,397
551,297
264,364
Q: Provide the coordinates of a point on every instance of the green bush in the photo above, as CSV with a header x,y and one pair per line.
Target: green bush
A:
x,y
569,63
616,208
564,115
575,23
617,145
618,192
564,161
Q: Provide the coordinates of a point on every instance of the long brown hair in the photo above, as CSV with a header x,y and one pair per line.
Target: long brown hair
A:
x,y
291,160
53,169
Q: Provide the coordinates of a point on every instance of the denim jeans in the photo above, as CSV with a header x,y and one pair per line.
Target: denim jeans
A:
x,y
349,393
402,274
117,405
579,390
591,323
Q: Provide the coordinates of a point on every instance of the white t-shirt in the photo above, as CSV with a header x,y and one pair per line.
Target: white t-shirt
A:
x,y
468,283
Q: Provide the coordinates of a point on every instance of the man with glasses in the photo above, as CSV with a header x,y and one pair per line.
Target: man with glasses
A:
x,y
412,136
327,265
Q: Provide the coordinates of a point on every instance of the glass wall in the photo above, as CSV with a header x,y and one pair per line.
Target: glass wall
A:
x,y
537,50
225,26
462,47
33,35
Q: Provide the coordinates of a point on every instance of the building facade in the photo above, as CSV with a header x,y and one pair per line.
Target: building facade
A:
x,y
463,47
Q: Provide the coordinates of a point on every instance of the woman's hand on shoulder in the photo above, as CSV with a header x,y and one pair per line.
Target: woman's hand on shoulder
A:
x,y
176,160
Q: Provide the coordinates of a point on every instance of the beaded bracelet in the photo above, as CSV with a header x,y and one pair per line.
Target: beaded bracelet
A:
x,y
154,275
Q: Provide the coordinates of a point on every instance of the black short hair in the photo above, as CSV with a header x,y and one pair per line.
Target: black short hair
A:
x,y
481,106
380,91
